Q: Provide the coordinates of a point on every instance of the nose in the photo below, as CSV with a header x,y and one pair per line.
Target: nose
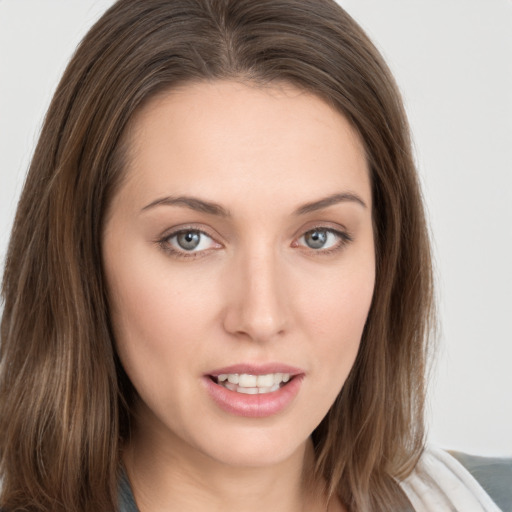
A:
x,y
257,306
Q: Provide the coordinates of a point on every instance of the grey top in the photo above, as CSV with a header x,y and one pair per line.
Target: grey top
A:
x,y
126,500
493,474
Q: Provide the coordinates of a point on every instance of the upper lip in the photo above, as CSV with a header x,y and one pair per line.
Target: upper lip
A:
x,y
256,369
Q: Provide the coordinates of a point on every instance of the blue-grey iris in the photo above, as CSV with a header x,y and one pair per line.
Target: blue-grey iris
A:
x,y
316,238
188,240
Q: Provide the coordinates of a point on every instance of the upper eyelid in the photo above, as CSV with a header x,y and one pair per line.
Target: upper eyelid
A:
x,y
344,235
327,226
322,227
174,234
168,233
176,252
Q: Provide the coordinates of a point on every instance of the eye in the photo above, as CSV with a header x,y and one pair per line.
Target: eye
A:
x,y
191,241
324,239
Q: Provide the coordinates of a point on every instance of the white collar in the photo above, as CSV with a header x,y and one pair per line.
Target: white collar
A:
x,y
439,483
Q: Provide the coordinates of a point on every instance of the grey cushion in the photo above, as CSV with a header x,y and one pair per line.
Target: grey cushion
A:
x,y
494,475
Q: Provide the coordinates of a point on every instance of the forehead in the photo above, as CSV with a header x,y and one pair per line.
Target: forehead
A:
x,y
230,138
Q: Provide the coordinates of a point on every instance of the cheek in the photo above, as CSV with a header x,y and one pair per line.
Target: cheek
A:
x,y
337,305
334,316
154,311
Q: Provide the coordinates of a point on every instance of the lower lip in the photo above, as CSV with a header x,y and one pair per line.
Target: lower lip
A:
x,y
254,406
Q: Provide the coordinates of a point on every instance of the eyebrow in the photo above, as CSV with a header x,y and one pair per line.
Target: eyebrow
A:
x,y
212,208
193,203
330,201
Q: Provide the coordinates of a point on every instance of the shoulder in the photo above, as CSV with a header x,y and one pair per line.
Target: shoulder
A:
x,y
441,481
494,474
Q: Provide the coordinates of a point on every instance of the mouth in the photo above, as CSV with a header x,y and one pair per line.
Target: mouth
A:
x,y
249,384
254,390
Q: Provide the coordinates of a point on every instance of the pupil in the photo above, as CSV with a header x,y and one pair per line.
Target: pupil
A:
x,y
188,240
316,239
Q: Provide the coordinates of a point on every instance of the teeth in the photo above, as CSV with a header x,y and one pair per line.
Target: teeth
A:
x,y
233,378
265,381
248,391
253,384
247,381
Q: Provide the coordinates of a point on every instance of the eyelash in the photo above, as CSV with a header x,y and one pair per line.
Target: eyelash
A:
x,y
344,238
167,247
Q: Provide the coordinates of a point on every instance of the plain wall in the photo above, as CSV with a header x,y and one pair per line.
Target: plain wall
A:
x,y
453,62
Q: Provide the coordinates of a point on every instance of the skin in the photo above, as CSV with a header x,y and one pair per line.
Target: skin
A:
x,y
254,291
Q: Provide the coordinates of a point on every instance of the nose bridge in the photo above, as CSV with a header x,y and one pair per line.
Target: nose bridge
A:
x,y
257,308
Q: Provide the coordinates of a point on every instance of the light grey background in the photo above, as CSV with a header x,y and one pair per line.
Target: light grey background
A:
x,y
453,62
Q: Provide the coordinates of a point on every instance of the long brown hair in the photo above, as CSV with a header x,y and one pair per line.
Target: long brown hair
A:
x,y
64,398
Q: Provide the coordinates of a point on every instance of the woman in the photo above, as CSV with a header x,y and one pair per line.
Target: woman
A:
x,y
218,289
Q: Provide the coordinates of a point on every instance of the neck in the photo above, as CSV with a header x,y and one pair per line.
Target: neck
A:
x,y
173,476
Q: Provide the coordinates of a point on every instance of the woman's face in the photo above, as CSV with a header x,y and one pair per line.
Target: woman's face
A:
x,y
239,258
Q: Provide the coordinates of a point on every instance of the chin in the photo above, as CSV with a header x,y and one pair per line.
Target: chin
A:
x,y
256,451
241,442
